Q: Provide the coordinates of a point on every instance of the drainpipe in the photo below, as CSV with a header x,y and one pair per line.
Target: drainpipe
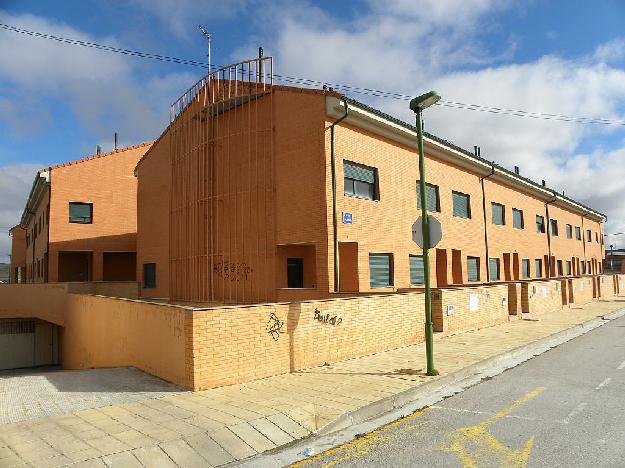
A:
x,y
549,233
334,217
584,241
492,172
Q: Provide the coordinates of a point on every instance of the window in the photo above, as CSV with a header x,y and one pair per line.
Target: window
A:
x,y
360,181
526,268
540,224
578,233
473,268
380,270
588,236
588,267
596,238
517,219
417,275
493,266
539,268
295,272
149,275
554,227
583,268
560,271
569,231
81,213
499,214
432,199
461,204
569,269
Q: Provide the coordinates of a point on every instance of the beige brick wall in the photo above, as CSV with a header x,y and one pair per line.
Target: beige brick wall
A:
x,y
539,297
621,284
237,344
606,286
582,290
473,307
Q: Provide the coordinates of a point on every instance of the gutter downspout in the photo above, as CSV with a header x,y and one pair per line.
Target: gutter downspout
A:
x,y
492,172
555,198
584,243
334,217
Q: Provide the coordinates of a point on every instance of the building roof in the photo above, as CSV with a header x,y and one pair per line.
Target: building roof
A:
x,y
97,156
43,177
470,154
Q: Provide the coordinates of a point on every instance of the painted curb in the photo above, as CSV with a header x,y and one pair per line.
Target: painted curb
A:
x,y
381,412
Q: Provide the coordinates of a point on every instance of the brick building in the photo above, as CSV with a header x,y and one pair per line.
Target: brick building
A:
x,y
79,223
237,203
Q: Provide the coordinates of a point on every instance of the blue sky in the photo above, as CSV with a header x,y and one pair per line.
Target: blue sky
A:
x,y
57,101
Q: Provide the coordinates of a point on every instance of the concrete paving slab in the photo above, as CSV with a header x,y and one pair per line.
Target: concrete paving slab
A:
x,y
182,454
289,426
271,431
232,444
153,457
209,449
252,437
122,460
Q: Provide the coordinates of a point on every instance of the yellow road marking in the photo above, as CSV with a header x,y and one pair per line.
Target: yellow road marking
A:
x,y
470,444
361,446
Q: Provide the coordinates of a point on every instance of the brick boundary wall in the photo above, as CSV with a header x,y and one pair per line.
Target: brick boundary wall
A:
x,y
455,310
540,297
582,289
240,343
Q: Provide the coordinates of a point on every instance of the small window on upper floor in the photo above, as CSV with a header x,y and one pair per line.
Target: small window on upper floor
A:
x,y
540,224
588,236
578,233
493,267
461,204
360,181
526,268
499,213
596,237
80,213
569,231
554,227
517,219
538,267
569,268
433,202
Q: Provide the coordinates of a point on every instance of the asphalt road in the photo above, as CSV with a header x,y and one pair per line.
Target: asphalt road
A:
x,y
565,407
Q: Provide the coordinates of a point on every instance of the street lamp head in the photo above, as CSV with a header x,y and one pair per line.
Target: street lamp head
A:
x,y
424,101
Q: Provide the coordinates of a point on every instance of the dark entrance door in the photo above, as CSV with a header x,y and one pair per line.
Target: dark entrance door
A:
x,y
295,272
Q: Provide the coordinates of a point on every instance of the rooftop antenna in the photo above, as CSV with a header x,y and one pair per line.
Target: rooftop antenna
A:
x,y
207,35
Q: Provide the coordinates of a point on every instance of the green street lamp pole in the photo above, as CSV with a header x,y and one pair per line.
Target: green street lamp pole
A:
x,y
417,105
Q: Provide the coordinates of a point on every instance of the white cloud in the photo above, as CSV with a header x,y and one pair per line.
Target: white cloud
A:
x,y
412,47
182,16
102,88
15,183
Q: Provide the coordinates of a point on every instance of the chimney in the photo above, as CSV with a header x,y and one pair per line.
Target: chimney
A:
x,y
543,183
479,152
116,138
475,150
98,150
516,170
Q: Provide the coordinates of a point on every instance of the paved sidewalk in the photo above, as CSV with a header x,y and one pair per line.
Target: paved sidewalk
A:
x,y
218,426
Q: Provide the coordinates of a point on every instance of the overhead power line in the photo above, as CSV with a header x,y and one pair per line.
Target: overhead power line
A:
x,y
318,83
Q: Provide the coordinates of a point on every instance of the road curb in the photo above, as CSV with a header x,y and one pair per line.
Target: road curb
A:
x,y
383,411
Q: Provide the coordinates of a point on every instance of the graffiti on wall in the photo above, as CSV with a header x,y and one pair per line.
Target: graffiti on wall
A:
x,y
330,320
274,326
232,271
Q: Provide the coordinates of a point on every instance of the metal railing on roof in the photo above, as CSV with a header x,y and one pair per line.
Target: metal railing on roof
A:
x,y
258,71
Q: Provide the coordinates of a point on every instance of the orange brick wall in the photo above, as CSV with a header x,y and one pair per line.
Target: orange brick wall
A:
x,y
153,191
538,297
582,289
236,344
109,183
490,307
38,241
18,252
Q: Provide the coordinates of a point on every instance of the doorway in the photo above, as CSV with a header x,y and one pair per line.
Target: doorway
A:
x,y
75,266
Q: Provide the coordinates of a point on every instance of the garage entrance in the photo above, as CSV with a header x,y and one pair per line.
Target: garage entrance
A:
x,y
75,266
27,343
